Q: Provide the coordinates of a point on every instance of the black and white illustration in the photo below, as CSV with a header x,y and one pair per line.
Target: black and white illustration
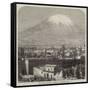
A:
x,y
51,45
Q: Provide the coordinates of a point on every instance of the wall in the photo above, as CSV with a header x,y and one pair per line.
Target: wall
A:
x,y
38,72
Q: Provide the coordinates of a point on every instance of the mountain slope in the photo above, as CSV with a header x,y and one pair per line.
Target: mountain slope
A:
x,y
54,31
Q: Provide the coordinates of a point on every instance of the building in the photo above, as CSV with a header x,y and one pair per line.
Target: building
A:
x,y
47,72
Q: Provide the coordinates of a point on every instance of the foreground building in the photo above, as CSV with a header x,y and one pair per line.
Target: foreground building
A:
x,y
47,72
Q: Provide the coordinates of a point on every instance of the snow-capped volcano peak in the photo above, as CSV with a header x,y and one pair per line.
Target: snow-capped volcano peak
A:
x,y
53,31
60,18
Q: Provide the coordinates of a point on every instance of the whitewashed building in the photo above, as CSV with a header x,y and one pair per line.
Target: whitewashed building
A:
x,y
47,72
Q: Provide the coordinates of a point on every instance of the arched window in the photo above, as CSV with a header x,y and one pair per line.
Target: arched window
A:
x,y
47,75
51,76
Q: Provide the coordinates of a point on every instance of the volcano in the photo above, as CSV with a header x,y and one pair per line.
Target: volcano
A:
x,y
53,31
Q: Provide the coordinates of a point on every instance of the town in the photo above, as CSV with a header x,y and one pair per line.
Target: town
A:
x,y
51,63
